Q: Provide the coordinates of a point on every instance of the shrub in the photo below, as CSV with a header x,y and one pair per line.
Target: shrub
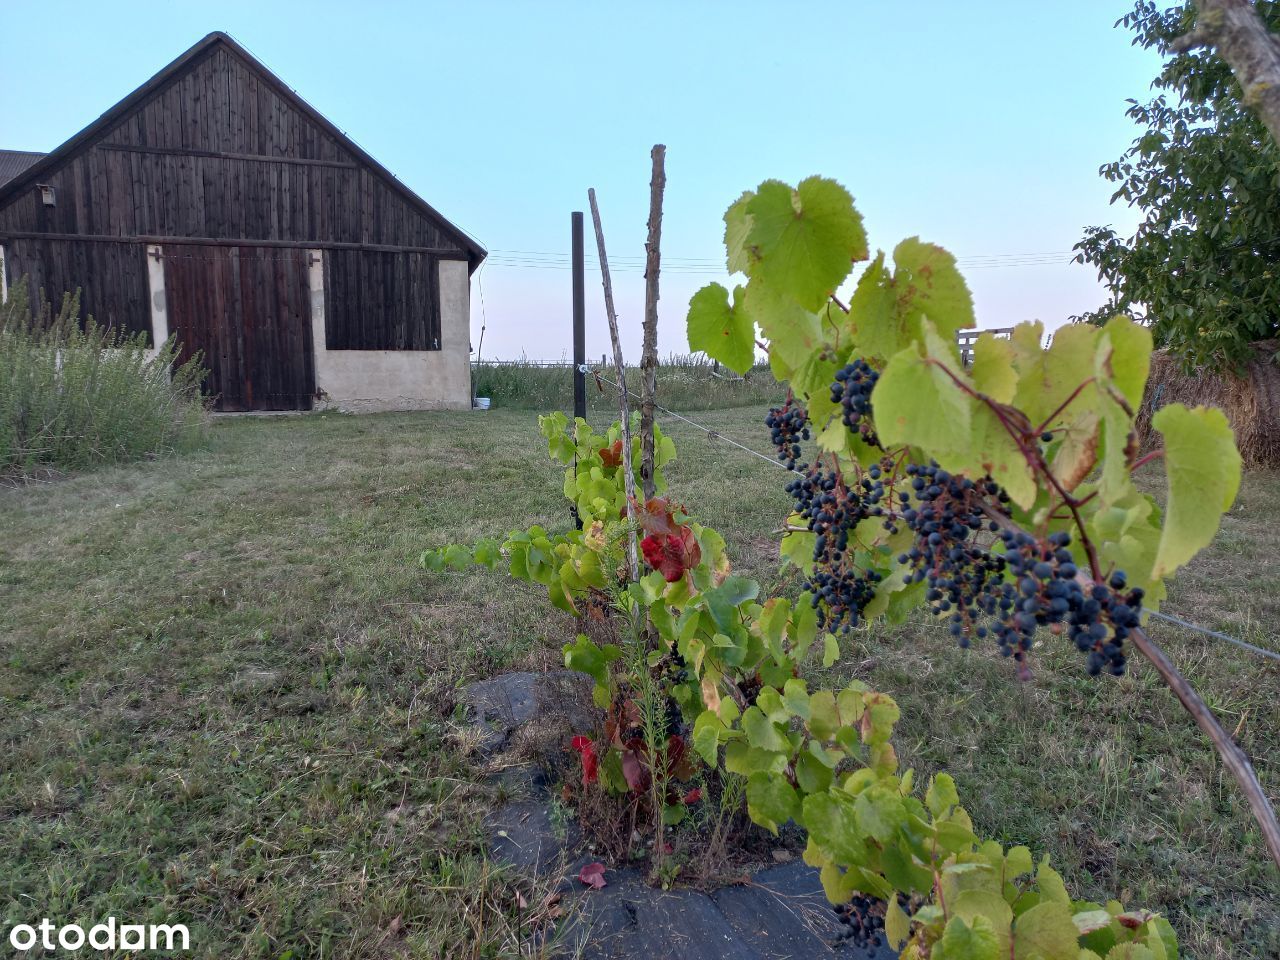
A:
x,y
75,395
684,383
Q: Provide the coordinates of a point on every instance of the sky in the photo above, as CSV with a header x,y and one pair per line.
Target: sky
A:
x,y
979,126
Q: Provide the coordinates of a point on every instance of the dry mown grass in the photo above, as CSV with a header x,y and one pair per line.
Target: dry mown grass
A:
x,y
228,695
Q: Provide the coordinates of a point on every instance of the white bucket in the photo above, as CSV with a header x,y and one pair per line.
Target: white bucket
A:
x,y
481,403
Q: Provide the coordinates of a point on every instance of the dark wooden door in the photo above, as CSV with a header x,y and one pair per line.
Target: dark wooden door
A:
x,y
247,310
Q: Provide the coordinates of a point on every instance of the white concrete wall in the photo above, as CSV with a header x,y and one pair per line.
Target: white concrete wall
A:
x,y
372,380
155,288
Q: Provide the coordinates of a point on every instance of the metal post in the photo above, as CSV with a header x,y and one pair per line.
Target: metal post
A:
x,y
579,321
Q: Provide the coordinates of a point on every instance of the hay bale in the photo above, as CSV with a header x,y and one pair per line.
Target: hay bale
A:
x,y
1250,399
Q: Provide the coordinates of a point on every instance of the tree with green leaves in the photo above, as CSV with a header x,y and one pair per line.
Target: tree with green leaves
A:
x,y
1203,266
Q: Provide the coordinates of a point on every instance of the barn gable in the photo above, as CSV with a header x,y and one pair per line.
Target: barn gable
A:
x,y
209,130
208,175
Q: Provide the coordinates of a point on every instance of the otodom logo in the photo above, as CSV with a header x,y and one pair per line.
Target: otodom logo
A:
x,y
108,935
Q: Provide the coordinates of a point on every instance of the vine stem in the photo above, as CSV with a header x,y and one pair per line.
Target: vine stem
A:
x,y
1233,758
1034,459
1142,461
1063,405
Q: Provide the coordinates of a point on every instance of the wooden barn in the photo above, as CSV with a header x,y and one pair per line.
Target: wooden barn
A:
x,y
216,205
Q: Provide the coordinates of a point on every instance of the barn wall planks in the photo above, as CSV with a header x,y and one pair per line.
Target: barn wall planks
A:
x,y
381,301
246,310
111,278
219,151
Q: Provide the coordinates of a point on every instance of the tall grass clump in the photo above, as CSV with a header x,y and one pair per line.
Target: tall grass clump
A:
x,y
684,383
74,395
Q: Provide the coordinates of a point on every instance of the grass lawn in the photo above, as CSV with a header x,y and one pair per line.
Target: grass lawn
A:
x,y
227,694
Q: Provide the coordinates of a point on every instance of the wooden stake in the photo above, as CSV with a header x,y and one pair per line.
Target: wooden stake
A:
x,y
633,560
649,352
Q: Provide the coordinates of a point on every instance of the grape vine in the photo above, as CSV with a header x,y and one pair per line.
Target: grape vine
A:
x,y
997,495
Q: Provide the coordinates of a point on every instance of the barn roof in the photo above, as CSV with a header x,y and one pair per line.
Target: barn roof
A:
x,y
13,162
22,176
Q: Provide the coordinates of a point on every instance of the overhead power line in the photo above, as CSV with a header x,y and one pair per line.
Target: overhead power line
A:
x,y
550,260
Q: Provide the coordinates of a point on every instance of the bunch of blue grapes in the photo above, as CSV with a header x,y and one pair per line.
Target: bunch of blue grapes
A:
x,y
832,510
788,427
852,391
1011,594
985,578
862,922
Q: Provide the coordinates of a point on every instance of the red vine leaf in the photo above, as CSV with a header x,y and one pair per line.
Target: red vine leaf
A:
x,y
679,761
657,517
593,876
634,769
612,456
672,555
693,796
590,763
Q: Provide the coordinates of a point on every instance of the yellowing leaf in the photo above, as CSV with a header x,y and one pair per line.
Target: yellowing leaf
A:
x,y
928,285
1077,452
916,402
1129,360
897,926
993,371
1046,932
1203,467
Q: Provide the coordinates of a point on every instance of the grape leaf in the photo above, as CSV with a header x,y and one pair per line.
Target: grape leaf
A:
x,y
877,332
706,736
762,733
928,284
832,825
992,449
737,226
963,941
794,334
771,801
1051,376
1129,360
720,330
992,370
941,795
897,925
1203,467
1046,932
917,403
802,242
